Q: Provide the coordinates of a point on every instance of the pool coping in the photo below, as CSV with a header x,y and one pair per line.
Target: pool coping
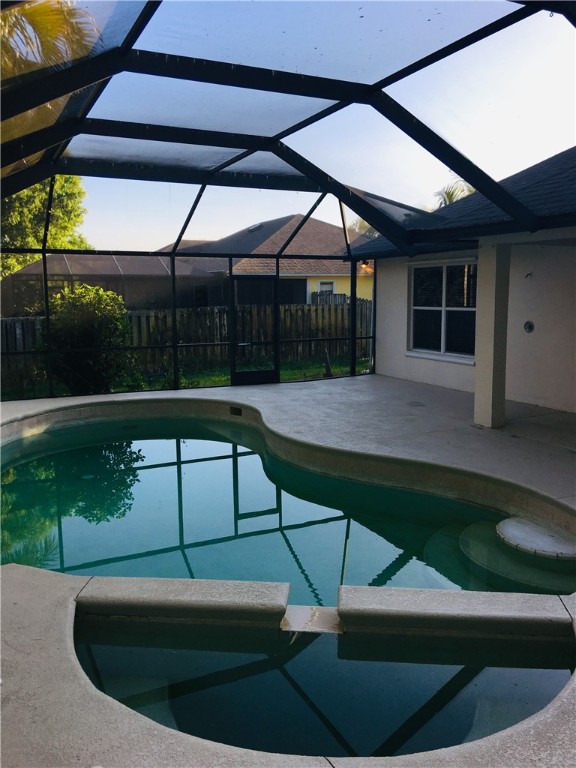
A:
x,y
41,671
53,717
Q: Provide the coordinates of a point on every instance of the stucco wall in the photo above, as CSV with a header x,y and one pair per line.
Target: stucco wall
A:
x,y
541,366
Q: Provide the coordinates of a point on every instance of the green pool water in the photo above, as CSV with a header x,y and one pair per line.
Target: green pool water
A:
x,y
205,500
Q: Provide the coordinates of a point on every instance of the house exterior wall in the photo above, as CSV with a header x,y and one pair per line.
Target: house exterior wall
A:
x,y
541,366
342,285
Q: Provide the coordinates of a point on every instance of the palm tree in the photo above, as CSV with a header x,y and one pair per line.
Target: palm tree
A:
x,y
455,190
38,35
40,554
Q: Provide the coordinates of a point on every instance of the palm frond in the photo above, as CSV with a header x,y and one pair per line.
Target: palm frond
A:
x,y
40,35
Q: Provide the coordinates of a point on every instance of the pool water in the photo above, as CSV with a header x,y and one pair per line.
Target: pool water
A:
x,y
202,500
321,694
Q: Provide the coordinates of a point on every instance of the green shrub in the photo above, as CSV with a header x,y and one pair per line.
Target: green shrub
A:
x,y
87,324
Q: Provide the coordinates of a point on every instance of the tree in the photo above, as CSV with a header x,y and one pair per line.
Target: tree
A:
x,y
455,190
363,228
94,482
23,219
87,325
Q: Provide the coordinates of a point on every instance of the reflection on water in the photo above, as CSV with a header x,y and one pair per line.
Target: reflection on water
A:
x,y
94,484
315,694
197,504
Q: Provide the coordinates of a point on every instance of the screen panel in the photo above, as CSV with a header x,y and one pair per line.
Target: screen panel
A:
x,y
503,110
203,106
362,42
39,37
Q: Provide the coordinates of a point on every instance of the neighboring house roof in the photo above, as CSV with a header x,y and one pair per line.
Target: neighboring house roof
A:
x,y
316,238
293,267
79,265
209,265
548,189
184,245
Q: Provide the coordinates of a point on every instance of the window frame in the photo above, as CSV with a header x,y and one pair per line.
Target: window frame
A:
x,y
332,283
443,309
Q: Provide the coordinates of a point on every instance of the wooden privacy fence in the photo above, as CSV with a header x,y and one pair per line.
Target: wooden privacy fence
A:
x,y
21,334
300,324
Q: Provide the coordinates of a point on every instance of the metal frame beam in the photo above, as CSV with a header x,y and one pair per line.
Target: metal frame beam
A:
x,y
16,182
38,141
450,156
20,148
397,235
297,229
562,7
170,134
199,254
63,82
178,175
458,45
243,76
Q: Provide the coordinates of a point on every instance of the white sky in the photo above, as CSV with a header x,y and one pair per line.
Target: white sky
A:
x,y
506,103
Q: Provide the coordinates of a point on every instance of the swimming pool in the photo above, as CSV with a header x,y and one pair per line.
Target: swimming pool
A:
x,y
205,499
44,601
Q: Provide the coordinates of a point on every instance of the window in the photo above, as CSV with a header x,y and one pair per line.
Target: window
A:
x,y
444,309
326,286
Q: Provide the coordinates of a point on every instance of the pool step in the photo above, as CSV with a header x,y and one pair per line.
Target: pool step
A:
x,y
536,539
482,545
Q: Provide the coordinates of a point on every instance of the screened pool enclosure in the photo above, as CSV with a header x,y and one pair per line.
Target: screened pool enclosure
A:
x,y
336,102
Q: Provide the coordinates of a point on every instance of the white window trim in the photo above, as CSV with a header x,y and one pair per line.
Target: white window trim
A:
x,y
429,354
443,357
326,282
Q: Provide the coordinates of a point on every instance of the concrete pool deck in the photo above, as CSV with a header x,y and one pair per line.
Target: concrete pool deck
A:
x,y
53,716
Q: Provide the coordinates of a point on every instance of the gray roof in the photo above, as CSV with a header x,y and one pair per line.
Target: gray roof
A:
x,y
315,238
547,188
